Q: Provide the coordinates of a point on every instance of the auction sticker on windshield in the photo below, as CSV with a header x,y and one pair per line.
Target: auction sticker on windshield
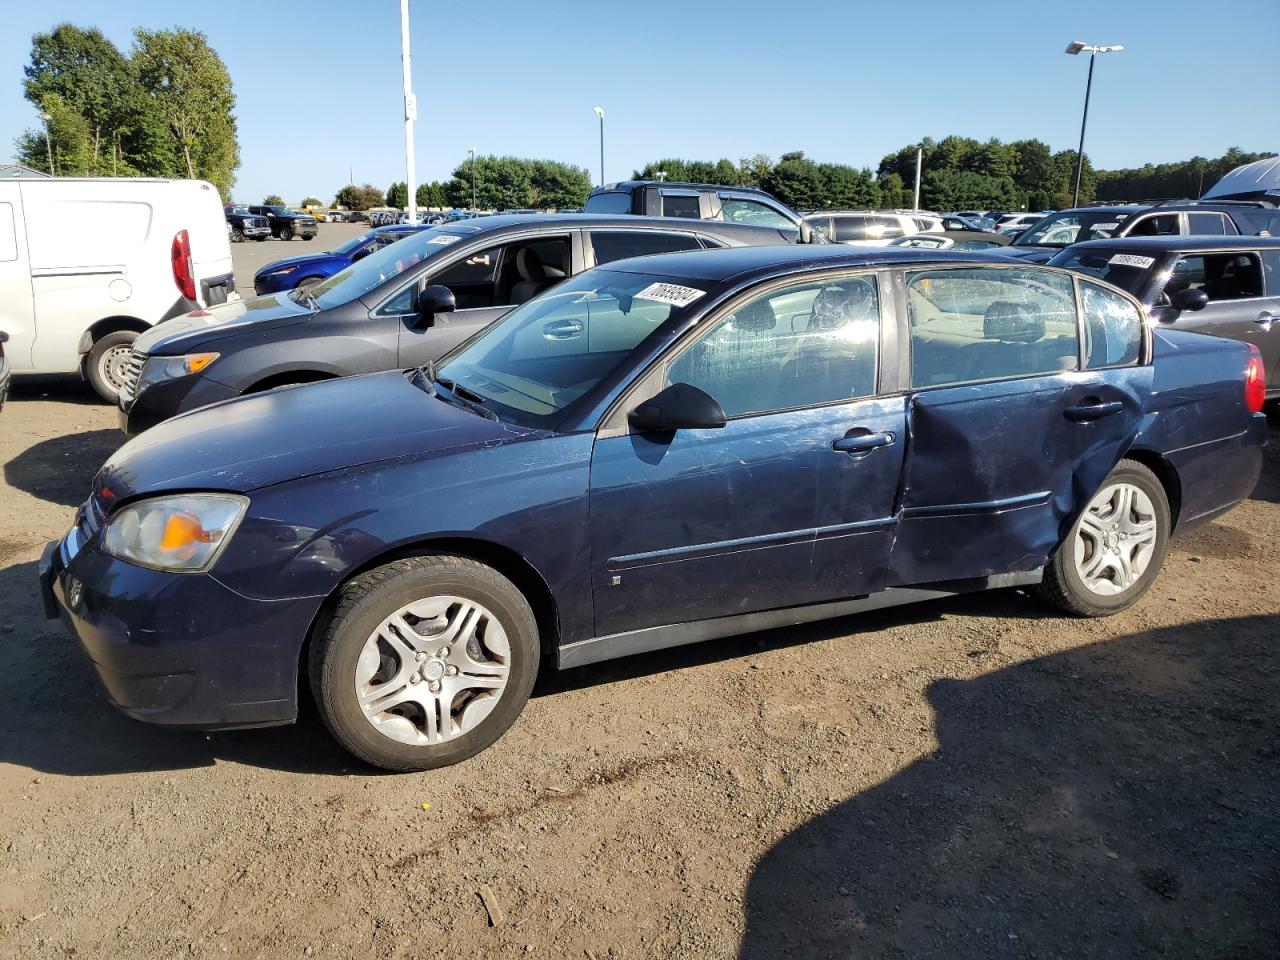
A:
x,y
444,239
671,293
1131,260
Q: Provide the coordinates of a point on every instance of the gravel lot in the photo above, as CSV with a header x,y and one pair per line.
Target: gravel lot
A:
x,y
968,778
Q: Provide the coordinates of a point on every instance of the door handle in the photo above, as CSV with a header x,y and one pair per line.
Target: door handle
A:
x,y
1092,410
562,329
1265,319
861,442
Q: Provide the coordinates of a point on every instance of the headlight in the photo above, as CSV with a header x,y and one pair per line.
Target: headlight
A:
x,y
170,368
183,533
278,273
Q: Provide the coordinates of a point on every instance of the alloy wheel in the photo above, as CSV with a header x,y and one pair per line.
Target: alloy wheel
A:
x,y
1115,539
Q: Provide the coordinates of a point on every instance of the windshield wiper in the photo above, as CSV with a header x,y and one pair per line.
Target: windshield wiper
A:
x,y
426,378
301,294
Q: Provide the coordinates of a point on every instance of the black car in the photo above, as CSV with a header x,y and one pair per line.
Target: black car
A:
x,y
4,370
246,225
403,306
697,201
1170,218
287,224
1226,286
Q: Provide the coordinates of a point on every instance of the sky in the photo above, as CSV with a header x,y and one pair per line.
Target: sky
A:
x,y
319,91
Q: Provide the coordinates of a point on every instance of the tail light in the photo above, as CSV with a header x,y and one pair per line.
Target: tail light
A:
x,y
1255,382
184,275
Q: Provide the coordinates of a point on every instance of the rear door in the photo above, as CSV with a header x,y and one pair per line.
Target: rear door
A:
x,y
606,246
17,308
1007,431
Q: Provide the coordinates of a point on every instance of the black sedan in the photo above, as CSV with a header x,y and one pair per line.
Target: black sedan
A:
x,y
403,306
1225,286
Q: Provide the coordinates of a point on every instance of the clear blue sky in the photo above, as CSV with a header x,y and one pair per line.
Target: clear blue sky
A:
x,y
318,82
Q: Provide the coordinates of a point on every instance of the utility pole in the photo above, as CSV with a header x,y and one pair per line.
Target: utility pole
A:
x,y
48,144
919,166
599,112
410,112
472,151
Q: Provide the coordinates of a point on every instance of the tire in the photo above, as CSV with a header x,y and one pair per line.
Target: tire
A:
x,y
237,235
103,363
1092,576
265,236
285,233
305,237
353,652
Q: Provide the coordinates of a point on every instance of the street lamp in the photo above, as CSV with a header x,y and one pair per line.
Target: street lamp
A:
x,y
410,113
599,112
660,174
472,151
1073,48
48,144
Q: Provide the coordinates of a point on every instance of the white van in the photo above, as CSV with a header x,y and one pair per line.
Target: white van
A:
x,y
86,264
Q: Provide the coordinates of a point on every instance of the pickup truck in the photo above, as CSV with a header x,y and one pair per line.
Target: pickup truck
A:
x,y
697,201
286,223
246,225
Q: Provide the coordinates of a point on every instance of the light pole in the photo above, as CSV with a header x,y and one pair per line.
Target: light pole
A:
x,y
599,112
410,112
1073,48
48,144
472,151
660,174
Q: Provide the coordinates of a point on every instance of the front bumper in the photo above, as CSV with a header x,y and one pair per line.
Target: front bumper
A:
x,y
158,401
177,649
256,231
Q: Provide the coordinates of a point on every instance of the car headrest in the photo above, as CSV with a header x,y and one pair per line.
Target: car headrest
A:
x,y
529,266
755,317
1012,321
835,307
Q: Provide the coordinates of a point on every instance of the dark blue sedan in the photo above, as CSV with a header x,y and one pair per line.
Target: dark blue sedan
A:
x,y
311,268
665,450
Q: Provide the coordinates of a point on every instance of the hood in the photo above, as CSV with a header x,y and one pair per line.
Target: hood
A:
x,y
301,261
251,442
201,327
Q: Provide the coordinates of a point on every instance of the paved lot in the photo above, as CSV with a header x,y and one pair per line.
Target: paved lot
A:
x,y
252,255
970,778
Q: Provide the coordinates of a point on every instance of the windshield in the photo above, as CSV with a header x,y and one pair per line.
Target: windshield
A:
x,y
354,244
1128,271
379,267
1064,229
544,355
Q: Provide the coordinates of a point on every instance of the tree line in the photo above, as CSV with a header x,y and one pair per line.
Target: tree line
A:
x,y
1185,178
163,110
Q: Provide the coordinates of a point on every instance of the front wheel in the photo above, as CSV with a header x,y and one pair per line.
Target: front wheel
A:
x,y
285,233
1116,547
105,364
305,237
425,662
237,235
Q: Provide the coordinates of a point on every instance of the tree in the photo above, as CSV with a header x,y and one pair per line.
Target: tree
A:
x,y
352,197
502,183
310,202
557,186
843,187
431,194
191,90
893,192
1182,178
1034,173
951,189
398,195
70,141
273,200
753,170
795,181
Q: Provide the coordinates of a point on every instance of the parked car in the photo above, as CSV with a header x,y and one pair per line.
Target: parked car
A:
x,y
867,228
87,264
1013,224
356,216
1039,243
245,225
658,452
4,370
960,241
310,268
287,224
381,312
979,217
1225,286
697,201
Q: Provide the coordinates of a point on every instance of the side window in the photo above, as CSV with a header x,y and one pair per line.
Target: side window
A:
x,y
736,210
1207,224
1112,327
1271,266
990,324
1223,276
820,225
402,303
610,245
674,205
850,228
800,346
884,228
8,238
506,275
1163,225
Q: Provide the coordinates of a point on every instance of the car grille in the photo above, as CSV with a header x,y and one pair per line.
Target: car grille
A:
x,y
256,222
132,371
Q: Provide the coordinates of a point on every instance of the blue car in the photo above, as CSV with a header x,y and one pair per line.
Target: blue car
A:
x,y
664,450
311,268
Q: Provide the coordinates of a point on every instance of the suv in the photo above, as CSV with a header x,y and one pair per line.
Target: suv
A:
x,y
696,201
246,225
870,228
286,223
1169,218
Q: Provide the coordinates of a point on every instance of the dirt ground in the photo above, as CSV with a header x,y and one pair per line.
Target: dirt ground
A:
x,y
974,777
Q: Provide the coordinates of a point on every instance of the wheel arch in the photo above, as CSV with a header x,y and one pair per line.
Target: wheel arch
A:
x,y
288,377
113,324
1166,473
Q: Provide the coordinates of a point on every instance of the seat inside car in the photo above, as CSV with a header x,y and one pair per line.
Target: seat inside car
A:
x,y
538,267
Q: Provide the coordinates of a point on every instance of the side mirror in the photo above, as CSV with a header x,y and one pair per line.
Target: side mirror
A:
x,y
678,407
434,298
1190,299
806,233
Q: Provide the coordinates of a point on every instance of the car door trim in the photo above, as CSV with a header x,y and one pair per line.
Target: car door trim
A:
x,y
679,634
1037,499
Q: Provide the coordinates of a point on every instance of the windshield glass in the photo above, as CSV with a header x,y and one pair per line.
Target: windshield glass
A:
x,y
1064,229
1128,271
354,244
379,267
537,360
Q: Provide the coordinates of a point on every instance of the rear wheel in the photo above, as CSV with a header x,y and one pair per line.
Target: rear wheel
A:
x,y
1116,547
285,233
104,365
305,237
426,661
237,235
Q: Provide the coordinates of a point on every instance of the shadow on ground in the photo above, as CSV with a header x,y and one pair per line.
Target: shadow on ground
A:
x,y
60,470
1117,800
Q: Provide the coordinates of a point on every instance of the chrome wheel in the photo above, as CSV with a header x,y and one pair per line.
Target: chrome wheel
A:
x,y
1115,539
113,363
433,670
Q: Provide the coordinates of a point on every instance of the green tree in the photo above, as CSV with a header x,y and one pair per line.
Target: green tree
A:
x,y
398,195
352,197
557,186
191,90
842,187
1034,173
431,194
1182,178
753,170
273,200
796,181
893,192
70,141
951,189
502,183
310,202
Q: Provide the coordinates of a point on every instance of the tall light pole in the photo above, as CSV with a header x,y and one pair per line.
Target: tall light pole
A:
x,y
919,167
410,112
48,144
1073,48
472,151
599,112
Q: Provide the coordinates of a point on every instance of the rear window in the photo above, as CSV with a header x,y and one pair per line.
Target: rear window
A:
x,y
1126,269
608,203
674,205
